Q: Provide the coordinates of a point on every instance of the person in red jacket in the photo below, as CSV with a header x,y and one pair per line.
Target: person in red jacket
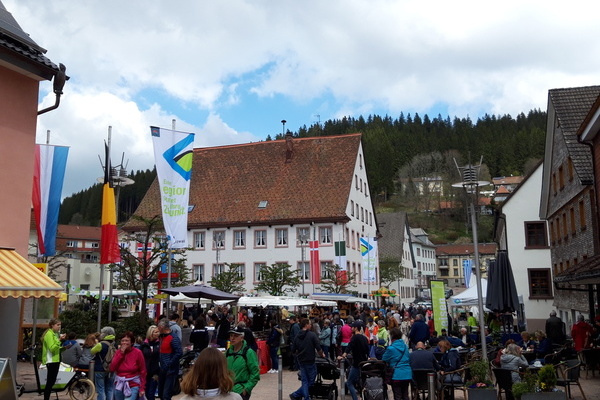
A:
x,y
129,367
580,332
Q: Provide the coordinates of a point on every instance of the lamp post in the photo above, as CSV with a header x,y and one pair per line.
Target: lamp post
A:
x,y
470,183
302,238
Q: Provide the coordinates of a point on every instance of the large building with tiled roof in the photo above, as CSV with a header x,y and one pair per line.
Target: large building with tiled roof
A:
x,y
450,259
568,197
260,203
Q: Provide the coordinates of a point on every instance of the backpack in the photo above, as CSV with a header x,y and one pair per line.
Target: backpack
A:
x,y
108,357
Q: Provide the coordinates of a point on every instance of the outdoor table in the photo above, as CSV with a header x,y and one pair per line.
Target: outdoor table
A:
x,y
529,356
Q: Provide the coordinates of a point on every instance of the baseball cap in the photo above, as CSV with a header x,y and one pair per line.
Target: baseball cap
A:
x,y
357,324
237,331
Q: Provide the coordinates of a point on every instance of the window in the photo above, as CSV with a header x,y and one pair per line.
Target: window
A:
x,y
304,270
554,188
219,240
443,262
71,243
455,262
281,237
561,178
535,234
95,245
198,272
325,235
361,185
570,168
558,230
552,236
258,271
362,214
352,208
455,272
325,273
241,270
418,252
348,238
239,239
199,240
540,283
218,269
582,223
260,238
356,181
302,236
565,226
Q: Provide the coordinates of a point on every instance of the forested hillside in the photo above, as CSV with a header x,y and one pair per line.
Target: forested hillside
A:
x,y
508,145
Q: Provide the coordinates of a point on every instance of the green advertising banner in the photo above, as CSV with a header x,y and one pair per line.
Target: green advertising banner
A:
x,y
438,304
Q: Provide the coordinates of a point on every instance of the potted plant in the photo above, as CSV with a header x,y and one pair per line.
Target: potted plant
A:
x,y
480,385
539,387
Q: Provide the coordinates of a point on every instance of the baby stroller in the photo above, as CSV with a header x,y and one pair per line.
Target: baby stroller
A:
x,y
372,380
326,370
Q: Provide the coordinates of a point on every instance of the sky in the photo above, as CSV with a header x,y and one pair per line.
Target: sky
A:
x,y
231,71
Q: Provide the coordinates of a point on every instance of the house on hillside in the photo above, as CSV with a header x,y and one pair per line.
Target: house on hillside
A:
x,y
257,204
510,183
521,232
568,196
23,66
452,259
395,252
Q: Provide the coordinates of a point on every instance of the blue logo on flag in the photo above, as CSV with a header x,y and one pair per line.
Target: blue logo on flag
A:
x,y
365,246
180,159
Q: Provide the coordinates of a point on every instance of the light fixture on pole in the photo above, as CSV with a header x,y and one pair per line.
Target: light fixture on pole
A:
x,y
470,183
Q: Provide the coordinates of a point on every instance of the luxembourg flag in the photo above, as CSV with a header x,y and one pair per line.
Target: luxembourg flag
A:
x,y
48,177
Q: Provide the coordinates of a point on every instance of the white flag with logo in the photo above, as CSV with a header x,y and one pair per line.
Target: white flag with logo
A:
x,y
173,154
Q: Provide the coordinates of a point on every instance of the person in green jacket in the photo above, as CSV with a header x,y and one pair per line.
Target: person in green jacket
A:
x,y
242,360
51,348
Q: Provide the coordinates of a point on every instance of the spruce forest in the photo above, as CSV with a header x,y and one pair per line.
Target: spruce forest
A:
x,y
396,150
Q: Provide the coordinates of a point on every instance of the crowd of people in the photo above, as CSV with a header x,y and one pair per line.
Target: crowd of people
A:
x,y
227,363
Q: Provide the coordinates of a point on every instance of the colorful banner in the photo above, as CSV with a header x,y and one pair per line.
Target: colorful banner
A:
x,y
438,303
368,250
48,177
315,263
110,252
173,155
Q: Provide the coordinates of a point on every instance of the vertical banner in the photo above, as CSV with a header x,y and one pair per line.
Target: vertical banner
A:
x,y
173,155
340,260
48,176
315,262
438,302
467,269
110,251
368,250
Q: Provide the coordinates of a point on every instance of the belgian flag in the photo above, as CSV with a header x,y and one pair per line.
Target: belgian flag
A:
x,y
109,243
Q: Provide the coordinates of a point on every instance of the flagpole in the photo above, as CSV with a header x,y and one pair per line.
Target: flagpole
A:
x,y
169,256
102,266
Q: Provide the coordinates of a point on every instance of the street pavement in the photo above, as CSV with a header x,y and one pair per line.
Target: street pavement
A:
x,y
268,387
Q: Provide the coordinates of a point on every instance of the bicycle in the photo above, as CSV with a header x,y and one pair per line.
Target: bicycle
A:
x,y
79,386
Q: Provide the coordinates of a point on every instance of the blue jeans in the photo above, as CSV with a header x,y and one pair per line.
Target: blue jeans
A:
x,y
165,384
104,385
274,358
119,395
353,380
308,374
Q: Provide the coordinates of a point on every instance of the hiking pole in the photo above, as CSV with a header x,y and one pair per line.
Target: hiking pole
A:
x,y
280,377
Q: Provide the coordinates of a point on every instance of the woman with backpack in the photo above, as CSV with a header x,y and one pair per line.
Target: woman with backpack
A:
x,y
103,353
86,351
325,337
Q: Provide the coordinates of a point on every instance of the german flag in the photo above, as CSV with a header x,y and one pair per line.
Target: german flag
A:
x,y
109,243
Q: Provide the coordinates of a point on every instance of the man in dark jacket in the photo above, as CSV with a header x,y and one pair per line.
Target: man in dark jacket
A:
x,y
294,331
555,329
306,345
419,332
359,348
170,353
423,359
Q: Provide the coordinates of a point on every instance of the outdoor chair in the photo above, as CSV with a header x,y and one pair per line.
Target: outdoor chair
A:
x,y
504,382
552,359
570,371
590,360
420,384
457,382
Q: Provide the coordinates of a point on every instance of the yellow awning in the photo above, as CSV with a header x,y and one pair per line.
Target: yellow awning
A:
x,y
19,278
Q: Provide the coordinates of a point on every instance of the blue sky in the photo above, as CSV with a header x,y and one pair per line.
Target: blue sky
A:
x,y
230,71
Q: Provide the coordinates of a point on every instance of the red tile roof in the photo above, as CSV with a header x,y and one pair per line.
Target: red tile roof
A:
x,y
507,180
228,182
79,232
462,249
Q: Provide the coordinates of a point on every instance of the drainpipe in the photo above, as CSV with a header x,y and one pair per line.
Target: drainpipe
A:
x,y
58,83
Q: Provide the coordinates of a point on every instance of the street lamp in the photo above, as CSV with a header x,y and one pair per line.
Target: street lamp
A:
x,y
302,237
470,183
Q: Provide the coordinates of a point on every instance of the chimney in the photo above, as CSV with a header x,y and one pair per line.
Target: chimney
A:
x,y
289,146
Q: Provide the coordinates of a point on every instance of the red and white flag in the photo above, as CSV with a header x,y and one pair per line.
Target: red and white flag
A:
x,y
315,264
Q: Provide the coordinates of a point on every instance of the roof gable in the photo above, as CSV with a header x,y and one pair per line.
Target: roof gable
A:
x,y
302,180
392,227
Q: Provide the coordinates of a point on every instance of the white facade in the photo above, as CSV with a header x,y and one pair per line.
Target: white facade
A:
x,y
258,245
521,209
425,260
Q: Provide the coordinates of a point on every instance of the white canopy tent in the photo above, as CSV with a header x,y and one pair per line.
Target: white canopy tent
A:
x,y
340,297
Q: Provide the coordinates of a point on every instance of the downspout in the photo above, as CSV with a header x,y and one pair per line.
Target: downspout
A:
x,y
58,83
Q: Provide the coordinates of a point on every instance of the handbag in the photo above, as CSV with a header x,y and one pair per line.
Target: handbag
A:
x,y
389,370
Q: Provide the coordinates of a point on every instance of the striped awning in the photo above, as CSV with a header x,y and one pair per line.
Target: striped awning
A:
x,y
19,278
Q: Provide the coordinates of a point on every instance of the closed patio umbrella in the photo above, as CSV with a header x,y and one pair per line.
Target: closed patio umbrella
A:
x,y
501,289
200,291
